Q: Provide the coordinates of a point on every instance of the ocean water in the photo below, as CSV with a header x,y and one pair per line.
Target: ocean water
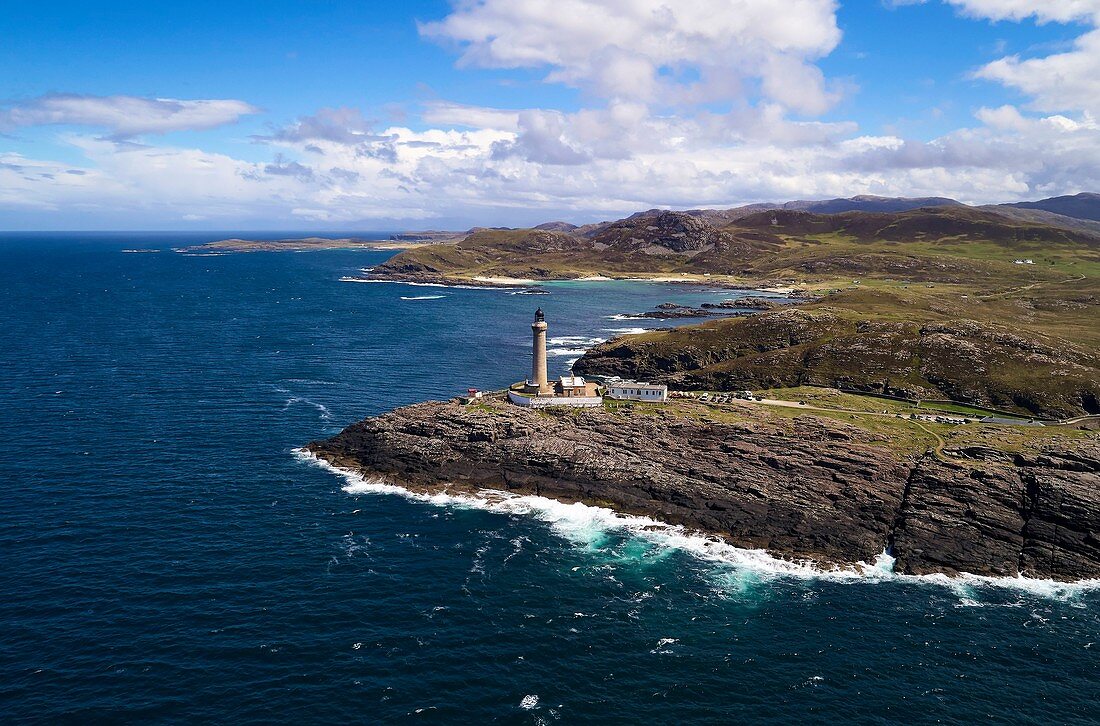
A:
x,y
167,556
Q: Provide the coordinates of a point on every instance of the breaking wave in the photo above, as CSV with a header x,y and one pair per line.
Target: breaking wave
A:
x,y
424,297
575,340
321,408
565,352
627,331
588,526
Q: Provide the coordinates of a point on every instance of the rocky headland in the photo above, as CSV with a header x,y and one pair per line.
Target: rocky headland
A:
x,y
804,487
904,299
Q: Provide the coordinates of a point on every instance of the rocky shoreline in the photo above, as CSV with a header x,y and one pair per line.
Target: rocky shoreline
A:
x,y
808,488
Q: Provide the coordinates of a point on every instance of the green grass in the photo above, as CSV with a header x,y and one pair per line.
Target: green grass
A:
x,y
968,324
964,410
832,398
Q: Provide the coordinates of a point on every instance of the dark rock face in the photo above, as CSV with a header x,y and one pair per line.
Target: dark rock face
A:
x,y
816,490
673,231
675,312
1033,514
750,303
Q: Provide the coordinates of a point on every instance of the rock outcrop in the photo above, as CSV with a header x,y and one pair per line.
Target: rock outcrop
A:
x,y
806,488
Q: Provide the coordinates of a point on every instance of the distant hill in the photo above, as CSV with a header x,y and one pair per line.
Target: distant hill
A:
x,y
1085,205
987,306
555,226
869,203
1041,216
949,243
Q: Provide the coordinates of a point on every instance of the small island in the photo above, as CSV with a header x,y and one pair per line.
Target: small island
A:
x,y
305,244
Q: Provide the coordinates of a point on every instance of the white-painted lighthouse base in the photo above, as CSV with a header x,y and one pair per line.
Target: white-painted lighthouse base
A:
x,y
543,401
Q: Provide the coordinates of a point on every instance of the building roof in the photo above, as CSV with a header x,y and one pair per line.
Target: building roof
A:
x,y
572,382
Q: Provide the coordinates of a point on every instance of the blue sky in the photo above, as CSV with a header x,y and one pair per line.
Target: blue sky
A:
x,y
119,115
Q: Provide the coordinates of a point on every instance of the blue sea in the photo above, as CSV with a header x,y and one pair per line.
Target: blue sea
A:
x,y
168,557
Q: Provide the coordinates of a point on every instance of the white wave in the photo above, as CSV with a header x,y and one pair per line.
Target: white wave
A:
x,y
424,297
625,317
326,415
348,278
586,525
575,340
627,331
560,352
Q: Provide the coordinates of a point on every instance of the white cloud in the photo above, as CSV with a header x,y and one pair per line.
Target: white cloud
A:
x,y
492,176
124,116
341,125
691,105
1044,11
444,113
1059,82
653,50
1068,81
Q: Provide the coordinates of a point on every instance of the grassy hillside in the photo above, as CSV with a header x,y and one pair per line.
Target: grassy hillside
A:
x,y
929,303
1033,350
940,244
1085,205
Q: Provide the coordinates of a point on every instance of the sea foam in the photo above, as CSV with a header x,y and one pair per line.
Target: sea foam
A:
x,y
321,408
588,526
627,331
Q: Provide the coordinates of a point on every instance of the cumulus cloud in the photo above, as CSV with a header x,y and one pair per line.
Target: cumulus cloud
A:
x,y
1068,81
1059,82
124,116
340,125
654,50
444,113
537,172
685,105
1044,11
282,167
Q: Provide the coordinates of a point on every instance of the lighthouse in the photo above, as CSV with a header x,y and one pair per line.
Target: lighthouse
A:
x,y
538,392
538,381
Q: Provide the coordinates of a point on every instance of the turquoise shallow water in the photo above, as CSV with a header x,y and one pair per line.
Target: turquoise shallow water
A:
x,y
167,557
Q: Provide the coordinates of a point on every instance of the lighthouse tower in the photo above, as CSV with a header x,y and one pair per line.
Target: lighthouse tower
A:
x,y
538,380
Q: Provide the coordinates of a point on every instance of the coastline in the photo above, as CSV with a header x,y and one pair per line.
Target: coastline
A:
x,y
699,544
305,244
765,286
806,489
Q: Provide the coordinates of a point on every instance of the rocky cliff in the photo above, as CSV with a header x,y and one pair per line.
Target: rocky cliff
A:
x,y
806,488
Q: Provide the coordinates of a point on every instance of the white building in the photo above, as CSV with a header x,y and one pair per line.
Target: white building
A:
x,y
632,391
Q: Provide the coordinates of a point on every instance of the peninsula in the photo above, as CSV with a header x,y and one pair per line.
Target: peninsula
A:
x,y
832,488
893,391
